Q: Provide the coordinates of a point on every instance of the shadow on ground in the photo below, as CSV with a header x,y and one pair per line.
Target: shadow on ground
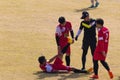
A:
x,y
84,9
62,76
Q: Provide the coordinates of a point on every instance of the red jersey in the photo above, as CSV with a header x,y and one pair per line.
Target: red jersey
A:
x,y
57,65
63,32
103,40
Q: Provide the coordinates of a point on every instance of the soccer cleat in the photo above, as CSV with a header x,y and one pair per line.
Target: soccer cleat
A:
x,y
97,3
110,74
94,77
92,6
79,71
83,69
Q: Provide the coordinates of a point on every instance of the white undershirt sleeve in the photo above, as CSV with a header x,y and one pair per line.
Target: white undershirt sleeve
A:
x,y
79,32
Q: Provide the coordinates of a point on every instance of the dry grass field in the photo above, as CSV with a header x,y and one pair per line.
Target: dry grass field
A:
x,y
27,30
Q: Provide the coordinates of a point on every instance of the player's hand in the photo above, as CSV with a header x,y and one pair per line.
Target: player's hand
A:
x,y
72,41
76,38
104,54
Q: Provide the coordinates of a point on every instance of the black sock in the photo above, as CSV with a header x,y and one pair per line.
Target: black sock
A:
x,y
96,66
67,58
79,71
105,65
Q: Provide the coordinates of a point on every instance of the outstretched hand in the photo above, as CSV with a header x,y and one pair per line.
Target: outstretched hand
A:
x,y
76,38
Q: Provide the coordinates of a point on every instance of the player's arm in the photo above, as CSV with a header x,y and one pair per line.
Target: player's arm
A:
x,y
79,32
106,38
101,43
52,59
102,46
59,55
72,35
57,42
71,32
57,37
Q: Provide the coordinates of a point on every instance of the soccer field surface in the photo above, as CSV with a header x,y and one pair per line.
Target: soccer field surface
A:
x,y
27,31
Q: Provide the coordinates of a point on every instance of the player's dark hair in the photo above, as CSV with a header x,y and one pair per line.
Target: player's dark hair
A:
x,y
61,20
41,59
100,21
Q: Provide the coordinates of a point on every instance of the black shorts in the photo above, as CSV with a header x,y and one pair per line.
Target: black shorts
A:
x,y
87,42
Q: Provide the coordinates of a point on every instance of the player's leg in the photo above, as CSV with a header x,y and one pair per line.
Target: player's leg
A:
x,y
97,3
60,56
67,57
92,2
63,51
106,66
92,47
65,48
85,50
75,70
96,66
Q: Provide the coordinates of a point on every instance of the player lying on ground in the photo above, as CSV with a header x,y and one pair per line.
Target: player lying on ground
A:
x,y
58,66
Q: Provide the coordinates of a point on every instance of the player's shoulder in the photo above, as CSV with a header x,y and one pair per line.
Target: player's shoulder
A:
x,y
68,22
82,21
105,29
58,26
92,20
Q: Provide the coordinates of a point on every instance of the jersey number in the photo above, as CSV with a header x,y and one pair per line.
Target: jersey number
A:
x,y
106,37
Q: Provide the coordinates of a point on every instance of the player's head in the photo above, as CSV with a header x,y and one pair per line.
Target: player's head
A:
x,y
99,23
61,20
42,59
85,15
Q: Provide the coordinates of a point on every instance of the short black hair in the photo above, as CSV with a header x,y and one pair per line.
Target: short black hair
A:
x,y
41,59
61,20
100,21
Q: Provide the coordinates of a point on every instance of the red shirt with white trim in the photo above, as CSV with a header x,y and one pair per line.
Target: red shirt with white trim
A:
x,y
57,65
63,32
103,40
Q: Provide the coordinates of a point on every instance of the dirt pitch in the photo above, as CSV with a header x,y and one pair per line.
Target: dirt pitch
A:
x,y
27,30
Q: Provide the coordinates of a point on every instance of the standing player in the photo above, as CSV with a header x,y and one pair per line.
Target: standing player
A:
x,y
62,32
101,49
96,4
89,39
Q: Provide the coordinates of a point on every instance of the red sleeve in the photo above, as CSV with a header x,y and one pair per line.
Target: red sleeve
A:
x,y
101,41
70,26
42,68
101,46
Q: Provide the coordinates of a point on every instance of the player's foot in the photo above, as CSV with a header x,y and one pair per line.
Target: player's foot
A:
x,y
110,74
79,71
97,4
94,77
92,6
83,69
